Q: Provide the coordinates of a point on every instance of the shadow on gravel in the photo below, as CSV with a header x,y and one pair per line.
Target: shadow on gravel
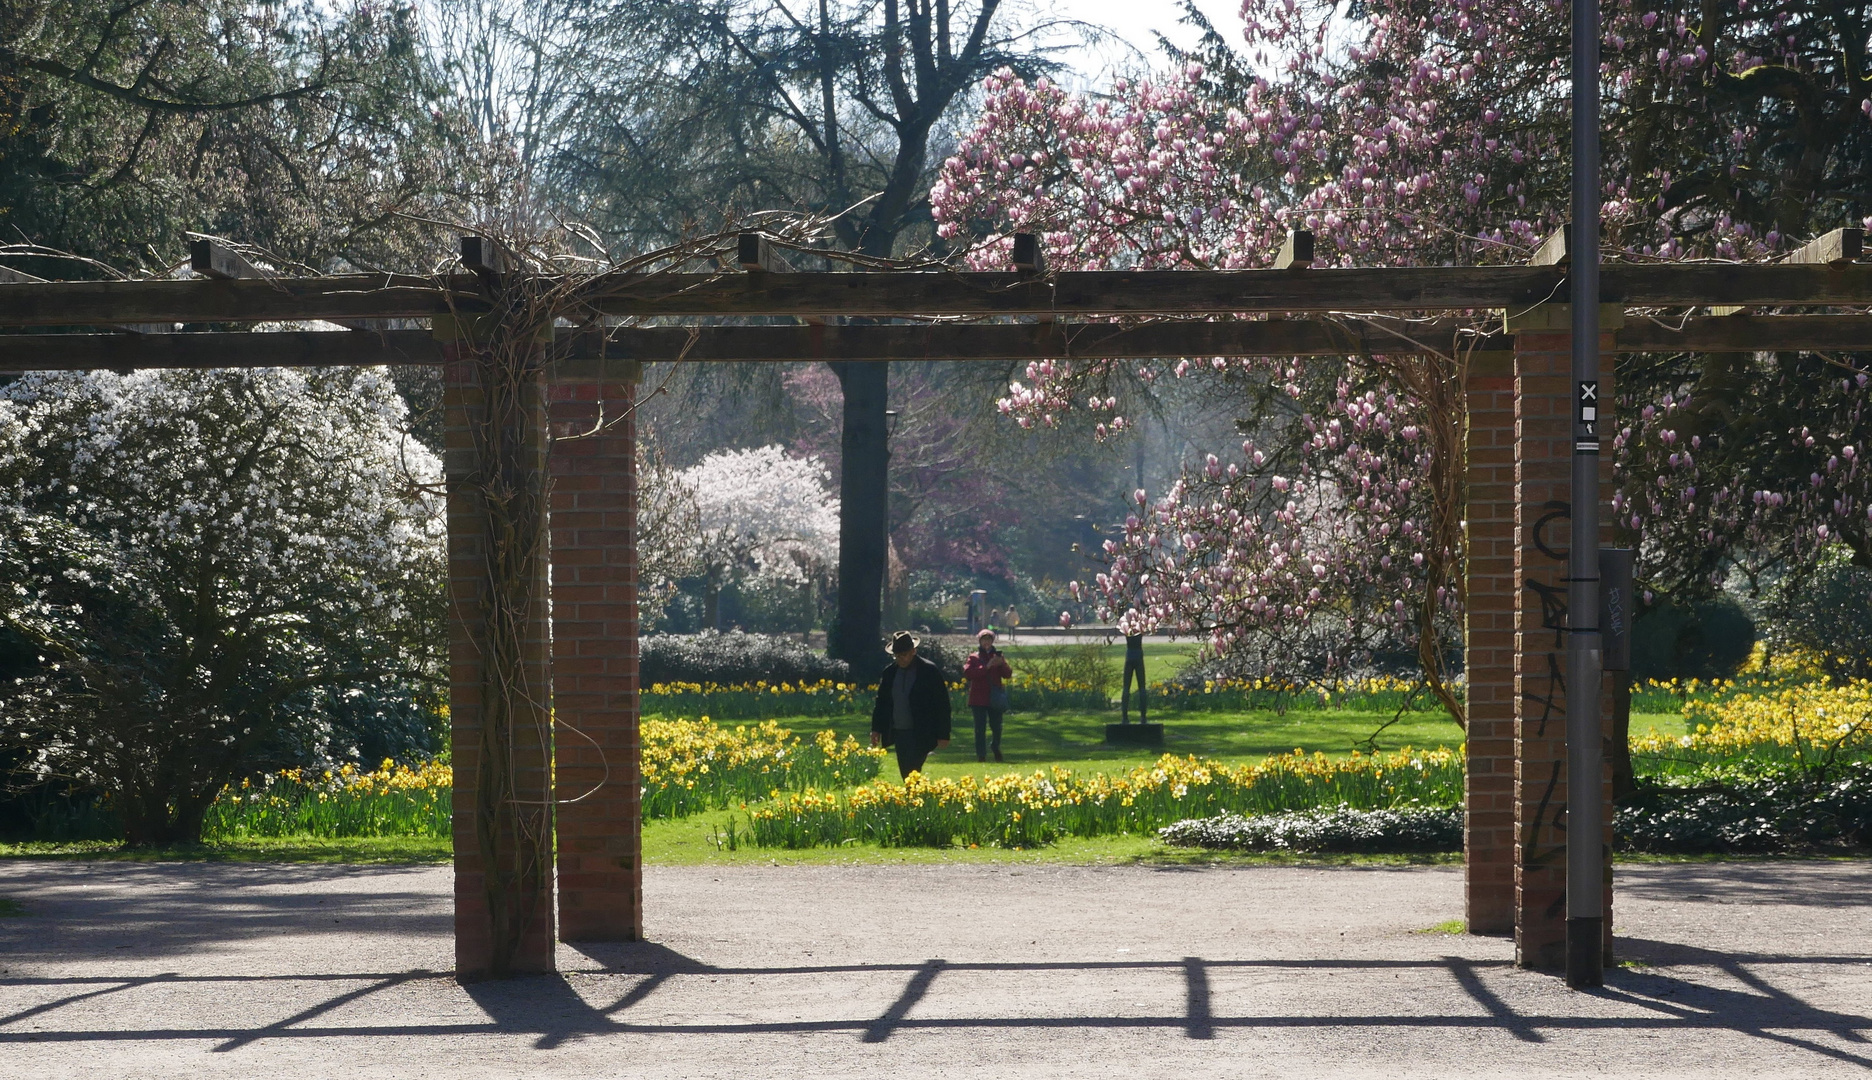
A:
x,y
174,909
1761,1009
1828,883
556,1009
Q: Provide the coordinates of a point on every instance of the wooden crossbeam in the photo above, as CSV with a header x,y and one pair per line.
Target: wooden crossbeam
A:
x,y
485,255
755,253
951,341
1296,252
10,276
287,348
1556,250
1003,342
1830,249
1028,258
1836,248
903,293
1749,333
213,259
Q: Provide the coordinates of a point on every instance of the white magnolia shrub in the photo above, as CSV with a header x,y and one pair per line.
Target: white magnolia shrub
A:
x,y
216,571
763,513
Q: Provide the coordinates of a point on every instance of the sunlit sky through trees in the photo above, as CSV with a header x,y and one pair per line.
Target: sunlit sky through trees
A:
x,y
1134,25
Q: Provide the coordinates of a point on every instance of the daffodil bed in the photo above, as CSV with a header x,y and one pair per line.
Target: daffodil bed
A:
x,y
393,800
694,765
1768,765
1016,810
1803,724
688,766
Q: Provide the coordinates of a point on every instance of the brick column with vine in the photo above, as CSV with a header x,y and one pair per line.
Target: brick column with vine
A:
x,y
499,677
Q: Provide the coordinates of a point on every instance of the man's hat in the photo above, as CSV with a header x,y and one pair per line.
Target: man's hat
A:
x,y
904,641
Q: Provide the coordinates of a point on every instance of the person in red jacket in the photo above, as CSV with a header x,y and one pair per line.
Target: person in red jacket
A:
x,y
987,698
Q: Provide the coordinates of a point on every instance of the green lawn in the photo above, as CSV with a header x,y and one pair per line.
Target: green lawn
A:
x,y
1163,660
1076,739
693,841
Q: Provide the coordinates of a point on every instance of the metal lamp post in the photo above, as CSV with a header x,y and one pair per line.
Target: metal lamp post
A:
x,y
1585,906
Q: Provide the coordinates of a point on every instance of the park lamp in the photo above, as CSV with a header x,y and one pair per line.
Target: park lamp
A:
x,y
1585,855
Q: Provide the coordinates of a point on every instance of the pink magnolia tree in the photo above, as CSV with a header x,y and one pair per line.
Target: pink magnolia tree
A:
x,y
1426,132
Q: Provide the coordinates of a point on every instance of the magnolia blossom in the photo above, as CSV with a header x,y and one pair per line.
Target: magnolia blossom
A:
x,y
1412,133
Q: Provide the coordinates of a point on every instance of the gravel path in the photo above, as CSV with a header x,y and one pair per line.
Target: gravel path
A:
x,y
200,970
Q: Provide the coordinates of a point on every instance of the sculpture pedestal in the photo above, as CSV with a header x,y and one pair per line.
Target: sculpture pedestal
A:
x,y
1147,735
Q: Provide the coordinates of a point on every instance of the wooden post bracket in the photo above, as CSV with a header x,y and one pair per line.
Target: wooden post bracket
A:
x,y
1296,252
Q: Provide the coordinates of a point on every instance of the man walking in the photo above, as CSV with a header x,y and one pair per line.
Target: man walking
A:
x,y
912,710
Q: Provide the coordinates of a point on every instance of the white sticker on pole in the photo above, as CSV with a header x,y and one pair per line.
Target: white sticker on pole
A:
x,y
1586,417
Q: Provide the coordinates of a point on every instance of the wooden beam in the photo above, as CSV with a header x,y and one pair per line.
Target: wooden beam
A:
x,y
1028,258
1219,292
99,303
756,253
943,341
289,348
1830,249
1749,333
1005,342
1296,252
211,258
904,293
20,277
1556,250
485,255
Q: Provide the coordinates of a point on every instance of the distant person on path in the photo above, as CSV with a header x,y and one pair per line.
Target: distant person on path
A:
x,y
912,710
987,698
1134,662
1013,621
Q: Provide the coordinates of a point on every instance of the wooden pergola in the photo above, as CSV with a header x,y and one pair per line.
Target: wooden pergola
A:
x,y
581,658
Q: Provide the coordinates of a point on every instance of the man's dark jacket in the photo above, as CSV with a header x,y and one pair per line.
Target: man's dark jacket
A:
x,y
929,705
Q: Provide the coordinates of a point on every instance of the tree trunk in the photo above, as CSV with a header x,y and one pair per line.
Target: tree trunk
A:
x,y
162,819
864,448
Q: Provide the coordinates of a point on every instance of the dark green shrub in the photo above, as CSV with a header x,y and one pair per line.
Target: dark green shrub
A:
x,y
735,657
1829,616
1781,812
1706,640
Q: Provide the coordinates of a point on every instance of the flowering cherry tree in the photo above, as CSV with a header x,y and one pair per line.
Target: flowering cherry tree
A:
x,y
761,513
220,572
1420,132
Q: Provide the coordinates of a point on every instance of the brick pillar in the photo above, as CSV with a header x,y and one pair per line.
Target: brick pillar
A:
x,y
1543,448
1489,647
594,590
513,889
